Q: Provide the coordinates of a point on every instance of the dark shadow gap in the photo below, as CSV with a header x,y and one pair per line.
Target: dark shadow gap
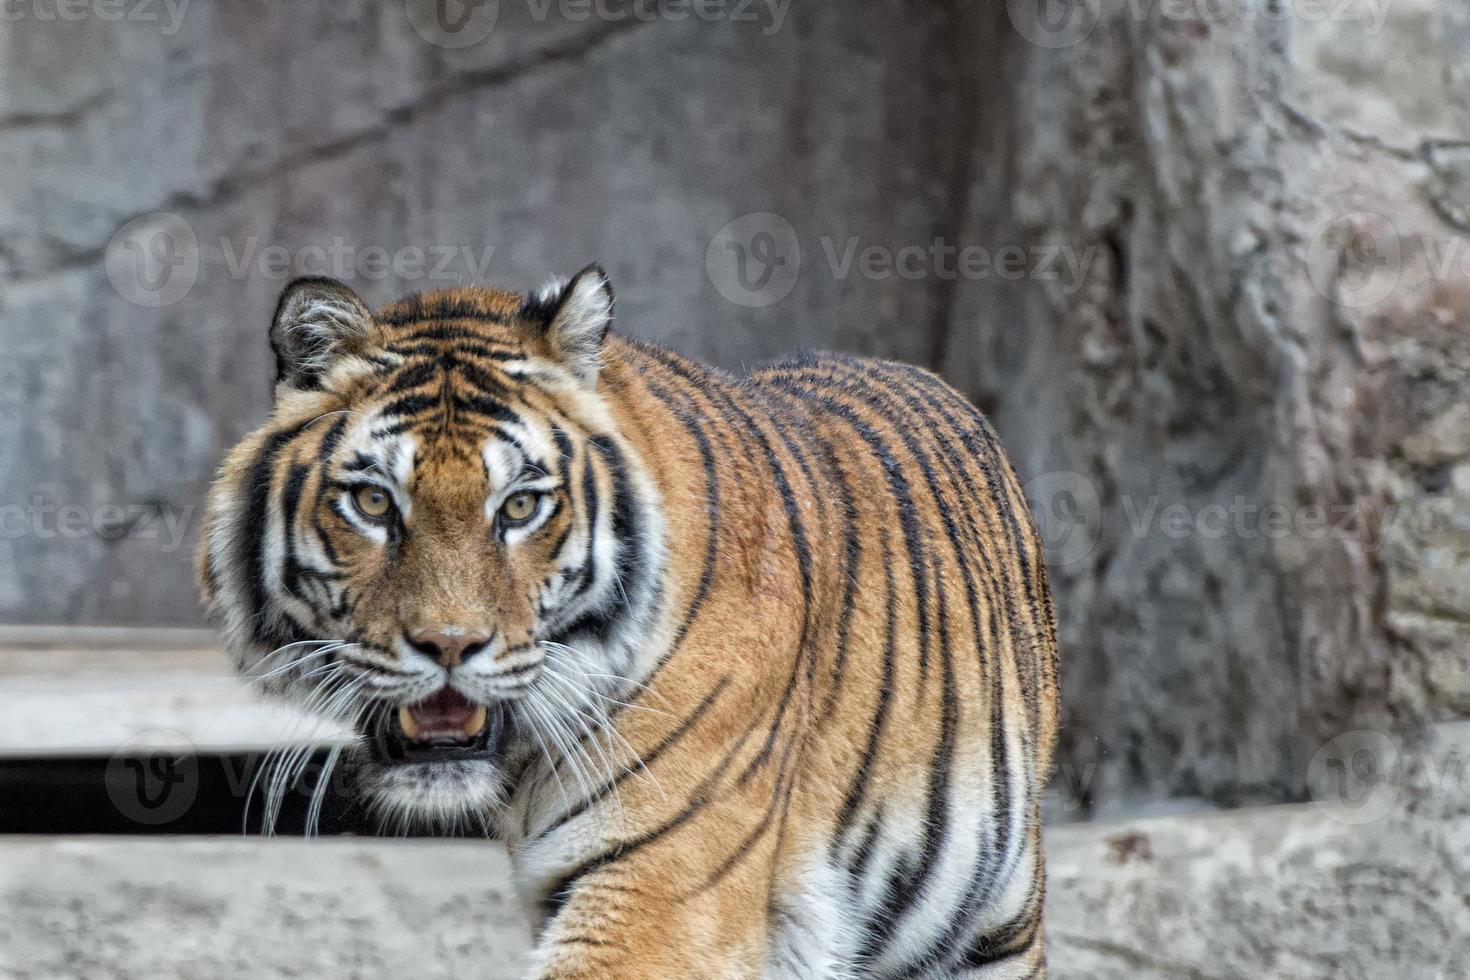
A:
x,y
165,794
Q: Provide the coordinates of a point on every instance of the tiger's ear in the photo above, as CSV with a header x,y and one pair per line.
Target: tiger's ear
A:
x,y
317,321
577,318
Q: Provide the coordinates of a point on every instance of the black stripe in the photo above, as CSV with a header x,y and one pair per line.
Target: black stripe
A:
x,y
251,547
1003,943
462,346
416,308
857,868
332,437
852,567
591,502
409,405
561,540
780,799
564,450
415,375
629,566
701,797
705,381
478,378
388,431
290,503
361,462
986,875
686,417
858,788
483,405
646,759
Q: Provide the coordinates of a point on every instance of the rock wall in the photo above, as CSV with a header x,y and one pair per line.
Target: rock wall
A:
x,y
164,180
1206,264
1245,426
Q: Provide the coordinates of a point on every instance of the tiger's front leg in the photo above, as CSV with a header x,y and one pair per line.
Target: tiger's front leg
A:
x,y
651,922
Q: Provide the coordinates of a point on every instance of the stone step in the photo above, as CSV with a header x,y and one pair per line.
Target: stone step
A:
x,y
94,691
186,908
1289,892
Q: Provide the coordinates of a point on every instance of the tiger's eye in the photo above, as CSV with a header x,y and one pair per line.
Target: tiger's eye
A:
x,y
372,501
519,507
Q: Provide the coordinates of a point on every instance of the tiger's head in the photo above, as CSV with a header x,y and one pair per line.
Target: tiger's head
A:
x,y
438,536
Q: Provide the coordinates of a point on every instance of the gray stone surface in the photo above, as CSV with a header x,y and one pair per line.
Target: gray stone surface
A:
x,y
1246,428
188,908
1366,882
1243,233
75,692
271,131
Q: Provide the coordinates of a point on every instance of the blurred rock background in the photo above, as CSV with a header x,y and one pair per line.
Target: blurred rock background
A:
x,y
1207,265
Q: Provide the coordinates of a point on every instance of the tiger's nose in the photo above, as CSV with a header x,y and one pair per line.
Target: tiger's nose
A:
x,y
449,646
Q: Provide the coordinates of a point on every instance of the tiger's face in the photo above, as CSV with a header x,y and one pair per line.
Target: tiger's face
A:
x,y
437,537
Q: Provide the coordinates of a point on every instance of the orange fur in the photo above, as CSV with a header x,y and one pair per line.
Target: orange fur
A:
x,y
854,640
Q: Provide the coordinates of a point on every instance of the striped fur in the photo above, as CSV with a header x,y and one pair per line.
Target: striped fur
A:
x,y
779,657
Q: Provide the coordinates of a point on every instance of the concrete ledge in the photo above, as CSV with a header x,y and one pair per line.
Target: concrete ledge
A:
x,y
69,691
1277,892
159,908
1367,883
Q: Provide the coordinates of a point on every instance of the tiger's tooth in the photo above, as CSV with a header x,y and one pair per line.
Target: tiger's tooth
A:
x,y
476,721
408,723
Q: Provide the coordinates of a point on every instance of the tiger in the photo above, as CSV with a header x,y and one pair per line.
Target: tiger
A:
x,y
754,675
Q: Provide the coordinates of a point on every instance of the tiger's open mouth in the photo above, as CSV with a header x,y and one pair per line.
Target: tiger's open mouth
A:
x,y
444,727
